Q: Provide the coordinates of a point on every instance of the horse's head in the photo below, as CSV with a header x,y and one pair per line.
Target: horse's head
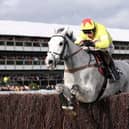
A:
x,y
57,47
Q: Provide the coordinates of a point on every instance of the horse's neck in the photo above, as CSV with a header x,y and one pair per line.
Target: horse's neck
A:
x,y
79,59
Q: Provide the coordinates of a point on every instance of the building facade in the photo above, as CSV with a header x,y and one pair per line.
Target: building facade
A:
x,y
23,48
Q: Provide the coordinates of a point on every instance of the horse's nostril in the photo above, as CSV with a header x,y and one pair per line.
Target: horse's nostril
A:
x,y
50,61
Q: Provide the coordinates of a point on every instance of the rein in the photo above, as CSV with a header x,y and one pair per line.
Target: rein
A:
x,y
74,53
73,70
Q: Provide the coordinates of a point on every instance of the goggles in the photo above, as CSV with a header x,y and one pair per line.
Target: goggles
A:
x,y
88,31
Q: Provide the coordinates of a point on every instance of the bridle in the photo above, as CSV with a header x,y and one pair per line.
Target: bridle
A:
x,y
66,57
62,52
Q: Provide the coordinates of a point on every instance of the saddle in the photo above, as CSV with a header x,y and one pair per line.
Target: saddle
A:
x,y
106,64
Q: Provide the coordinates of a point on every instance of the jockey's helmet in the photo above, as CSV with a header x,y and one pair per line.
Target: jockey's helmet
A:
x,y
87,25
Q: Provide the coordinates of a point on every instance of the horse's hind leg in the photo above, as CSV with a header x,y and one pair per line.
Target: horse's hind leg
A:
x,y
65,97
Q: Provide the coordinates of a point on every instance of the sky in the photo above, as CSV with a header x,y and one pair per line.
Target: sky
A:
x,y
111,13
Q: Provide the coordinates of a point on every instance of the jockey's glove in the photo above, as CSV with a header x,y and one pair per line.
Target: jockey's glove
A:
x,y
89,43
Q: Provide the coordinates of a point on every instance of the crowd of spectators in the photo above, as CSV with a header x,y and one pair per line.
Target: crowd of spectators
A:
x,y
29,82
25,81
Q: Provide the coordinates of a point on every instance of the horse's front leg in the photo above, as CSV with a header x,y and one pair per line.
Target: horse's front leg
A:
x,y
79,93
66,98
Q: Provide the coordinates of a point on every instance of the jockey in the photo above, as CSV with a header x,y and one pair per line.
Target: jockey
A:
x,y
98,37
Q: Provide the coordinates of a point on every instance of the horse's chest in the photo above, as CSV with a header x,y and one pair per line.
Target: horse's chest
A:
x,y
69,78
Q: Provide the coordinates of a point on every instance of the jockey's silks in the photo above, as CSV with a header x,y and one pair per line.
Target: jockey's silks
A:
x,y
102,37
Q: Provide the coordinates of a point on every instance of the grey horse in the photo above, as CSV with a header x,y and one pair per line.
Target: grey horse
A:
x,y
82,79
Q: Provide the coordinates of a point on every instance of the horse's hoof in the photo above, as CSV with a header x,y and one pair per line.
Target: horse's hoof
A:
x,y
75,89
59,88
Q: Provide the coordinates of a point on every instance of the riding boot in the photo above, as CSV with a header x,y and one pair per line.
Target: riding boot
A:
x,y
115,74
111,71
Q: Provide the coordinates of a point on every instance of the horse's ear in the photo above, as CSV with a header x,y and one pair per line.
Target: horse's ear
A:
x,y
59,30
68,32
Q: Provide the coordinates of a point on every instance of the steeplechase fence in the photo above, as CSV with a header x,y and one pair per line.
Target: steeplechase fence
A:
x,y
42,110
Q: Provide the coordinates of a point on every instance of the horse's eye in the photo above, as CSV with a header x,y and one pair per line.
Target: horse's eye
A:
x,y
61,44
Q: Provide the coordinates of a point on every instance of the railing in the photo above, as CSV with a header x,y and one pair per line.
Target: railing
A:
x,y
6,64
23,45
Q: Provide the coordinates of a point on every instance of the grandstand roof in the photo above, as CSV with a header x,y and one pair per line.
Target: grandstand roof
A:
x,y
23,28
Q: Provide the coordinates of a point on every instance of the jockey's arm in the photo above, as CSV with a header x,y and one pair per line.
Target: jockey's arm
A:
x,y
104,40
102,44
79,42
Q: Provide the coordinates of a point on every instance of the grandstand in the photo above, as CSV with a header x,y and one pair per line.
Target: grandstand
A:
x,y
23,47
